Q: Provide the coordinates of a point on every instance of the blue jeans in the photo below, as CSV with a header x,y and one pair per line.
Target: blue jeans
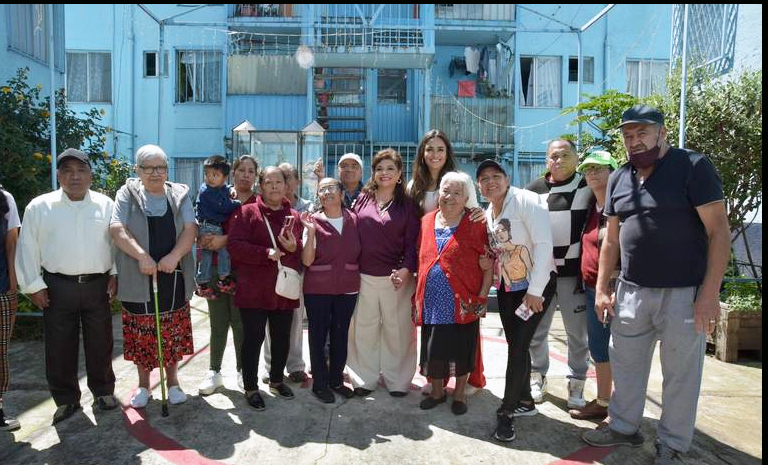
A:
x,y
203,275
599,334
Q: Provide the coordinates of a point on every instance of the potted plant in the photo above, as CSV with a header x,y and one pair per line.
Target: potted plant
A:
x,y
741,321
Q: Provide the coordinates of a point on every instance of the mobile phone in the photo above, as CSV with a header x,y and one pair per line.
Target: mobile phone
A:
x,y
288,222
523,312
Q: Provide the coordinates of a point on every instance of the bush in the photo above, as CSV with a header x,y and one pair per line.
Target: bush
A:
x,y
25,144
743,297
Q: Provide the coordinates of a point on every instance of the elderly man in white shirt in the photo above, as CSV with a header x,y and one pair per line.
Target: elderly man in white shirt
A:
x,y
65,261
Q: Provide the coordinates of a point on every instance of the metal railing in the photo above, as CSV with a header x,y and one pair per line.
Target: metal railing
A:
x,y
474,121
466,11
339,27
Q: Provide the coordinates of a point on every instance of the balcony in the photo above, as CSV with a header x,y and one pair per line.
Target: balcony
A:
x,y
471,12
474,123
266,10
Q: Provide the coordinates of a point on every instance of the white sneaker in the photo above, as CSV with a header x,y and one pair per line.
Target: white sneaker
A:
x,y
576,393
140,398
538,386
211,382
176,395
240,383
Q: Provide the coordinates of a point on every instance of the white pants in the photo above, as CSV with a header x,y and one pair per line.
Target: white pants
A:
x,y
382,336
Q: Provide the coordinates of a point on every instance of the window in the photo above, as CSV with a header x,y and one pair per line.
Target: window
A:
x,y
587,75
265,75
540,82
89,77
188,171
28,31
646,77
151,64
392,85
198,77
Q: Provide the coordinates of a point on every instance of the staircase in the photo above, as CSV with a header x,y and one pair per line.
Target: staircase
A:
x,y
340,103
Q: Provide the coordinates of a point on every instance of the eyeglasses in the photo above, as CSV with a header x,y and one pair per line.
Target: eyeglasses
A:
x,y
332,189
595,169
161,169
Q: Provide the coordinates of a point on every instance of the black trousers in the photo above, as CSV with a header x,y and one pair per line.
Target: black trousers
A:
x,y
71,307
329,317
254,329
519,334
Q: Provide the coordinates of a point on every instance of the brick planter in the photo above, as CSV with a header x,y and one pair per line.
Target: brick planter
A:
x,y
737,331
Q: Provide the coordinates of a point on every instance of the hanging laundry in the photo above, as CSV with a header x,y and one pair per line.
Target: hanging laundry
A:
x,y
466,89
472,57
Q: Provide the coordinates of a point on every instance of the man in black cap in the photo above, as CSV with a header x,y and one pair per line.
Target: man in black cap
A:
x,y
64,260
674,243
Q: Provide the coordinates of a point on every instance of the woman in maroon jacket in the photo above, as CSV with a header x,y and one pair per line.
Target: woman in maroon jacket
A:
x,y
331,283
251,248
451,290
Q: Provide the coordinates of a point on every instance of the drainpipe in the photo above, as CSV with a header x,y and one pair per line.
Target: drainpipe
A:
x,y
516,106
132,38
684,79
52,103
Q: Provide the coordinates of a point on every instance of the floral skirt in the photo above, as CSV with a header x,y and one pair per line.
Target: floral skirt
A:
x,y
140,337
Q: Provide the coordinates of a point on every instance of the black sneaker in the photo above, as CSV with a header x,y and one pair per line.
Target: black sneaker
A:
x,y
325,395
362,392
606,437
8,423
505,427
523,410
343,391
430,402
666,455
281,390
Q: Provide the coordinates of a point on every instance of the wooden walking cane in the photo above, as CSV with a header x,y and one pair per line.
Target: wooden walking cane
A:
x,y
160,347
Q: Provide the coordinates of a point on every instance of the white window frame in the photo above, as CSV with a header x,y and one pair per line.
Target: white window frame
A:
x,y
198,53
88,76
643,65
588,73
164,71
534,76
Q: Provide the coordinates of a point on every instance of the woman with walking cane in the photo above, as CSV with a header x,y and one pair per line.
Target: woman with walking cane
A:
x,y
154,227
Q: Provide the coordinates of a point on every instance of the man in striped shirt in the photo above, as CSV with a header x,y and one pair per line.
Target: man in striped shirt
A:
x,y
567,195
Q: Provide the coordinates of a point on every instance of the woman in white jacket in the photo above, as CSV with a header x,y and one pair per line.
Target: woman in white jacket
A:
x,y
516,220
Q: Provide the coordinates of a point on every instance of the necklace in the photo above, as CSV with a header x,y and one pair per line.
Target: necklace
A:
x,y
384,206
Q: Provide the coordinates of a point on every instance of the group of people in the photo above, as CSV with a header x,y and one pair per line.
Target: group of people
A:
x,y
380,258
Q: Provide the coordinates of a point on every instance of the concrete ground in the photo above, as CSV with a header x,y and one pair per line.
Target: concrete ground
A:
x,y
222,428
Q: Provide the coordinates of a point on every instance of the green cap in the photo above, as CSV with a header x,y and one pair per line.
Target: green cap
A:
x,y
597,157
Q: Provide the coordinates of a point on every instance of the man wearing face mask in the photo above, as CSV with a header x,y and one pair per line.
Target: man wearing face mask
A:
x,y
674,242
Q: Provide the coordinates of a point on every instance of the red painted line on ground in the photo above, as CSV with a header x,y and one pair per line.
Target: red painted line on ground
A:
x,y
587,454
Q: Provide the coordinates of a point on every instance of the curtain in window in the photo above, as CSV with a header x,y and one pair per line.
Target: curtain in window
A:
x,y
77,77
547,81
658,77
633,77
188,90
210,77
100,76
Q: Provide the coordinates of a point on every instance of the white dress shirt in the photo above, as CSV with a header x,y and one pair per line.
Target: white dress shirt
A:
x,y
62,236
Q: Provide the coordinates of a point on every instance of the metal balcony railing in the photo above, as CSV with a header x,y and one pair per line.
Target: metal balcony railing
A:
x,y
466,11
480,122
340,27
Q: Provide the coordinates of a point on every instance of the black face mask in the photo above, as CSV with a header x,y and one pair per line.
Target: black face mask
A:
x,y
643,160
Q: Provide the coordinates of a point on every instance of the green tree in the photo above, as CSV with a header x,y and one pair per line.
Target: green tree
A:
x,y
25,137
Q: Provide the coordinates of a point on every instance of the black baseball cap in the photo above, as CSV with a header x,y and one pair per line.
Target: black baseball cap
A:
x,y
72,153
642,114
488,164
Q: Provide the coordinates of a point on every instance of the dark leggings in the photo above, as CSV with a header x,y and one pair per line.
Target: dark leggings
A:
x,y
254,323
519,334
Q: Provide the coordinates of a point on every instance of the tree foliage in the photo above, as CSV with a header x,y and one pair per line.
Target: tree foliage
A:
x,y
25,159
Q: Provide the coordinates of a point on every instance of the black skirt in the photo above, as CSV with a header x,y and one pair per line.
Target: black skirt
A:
x,y
448,350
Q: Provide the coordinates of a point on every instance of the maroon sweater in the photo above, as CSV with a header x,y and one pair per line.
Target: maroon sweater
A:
x,y
335,270
248,244
389,240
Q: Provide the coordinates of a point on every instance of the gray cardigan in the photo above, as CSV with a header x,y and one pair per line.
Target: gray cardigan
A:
x,y
133,285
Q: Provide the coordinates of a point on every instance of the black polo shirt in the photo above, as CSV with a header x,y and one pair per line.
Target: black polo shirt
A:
x,y
663,241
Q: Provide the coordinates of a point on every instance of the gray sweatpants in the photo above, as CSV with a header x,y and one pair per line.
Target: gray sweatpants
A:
x,y
643,316
573,310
